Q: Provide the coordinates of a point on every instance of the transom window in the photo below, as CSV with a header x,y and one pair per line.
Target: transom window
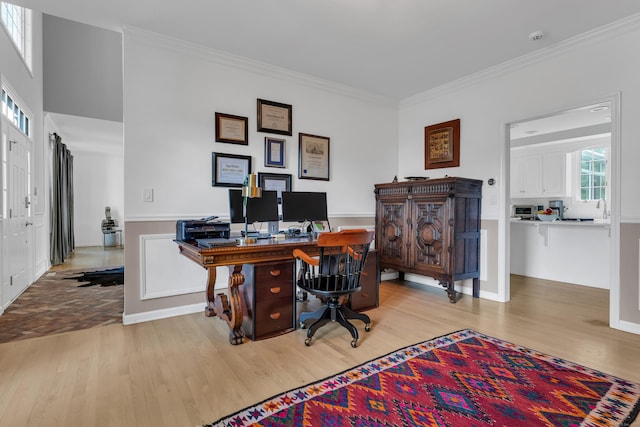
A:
x,y
593,173
16,21
14,113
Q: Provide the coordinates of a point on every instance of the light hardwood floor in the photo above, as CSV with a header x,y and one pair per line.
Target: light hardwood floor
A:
x,y
92,256
183,372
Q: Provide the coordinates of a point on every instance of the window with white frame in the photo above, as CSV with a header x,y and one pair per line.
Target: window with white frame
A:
x,y
16,21
14,113
593,173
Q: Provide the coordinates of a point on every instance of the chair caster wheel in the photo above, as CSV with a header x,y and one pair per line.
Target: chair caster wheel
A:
x,y
302,325
307,342
354,343
367,327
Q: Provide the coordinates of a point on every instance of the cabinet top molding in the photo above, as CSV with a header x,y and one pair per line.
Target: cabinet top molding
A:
x,y
438,186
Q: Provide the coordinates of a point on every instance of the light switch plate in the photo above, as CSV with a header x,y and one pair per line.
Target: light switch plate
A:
x,y
147,194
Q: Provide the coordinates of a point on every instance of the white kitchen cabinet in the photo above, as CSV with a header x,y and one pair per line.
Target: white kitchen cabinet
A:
x,y
537,174
553,173
526,175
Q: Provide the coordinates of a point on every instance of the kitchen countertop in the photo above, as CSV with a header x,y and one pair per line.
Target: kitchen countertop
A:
x,y
597,222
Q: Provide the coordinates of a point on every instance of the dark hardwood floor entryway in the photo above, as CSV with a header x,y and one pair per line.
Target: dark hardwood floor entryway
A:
x,y
56,304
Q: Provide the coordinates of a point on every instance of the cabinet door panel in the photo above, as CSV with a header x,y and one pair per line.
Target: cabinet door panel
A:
x,y
392,238
553,169
431,230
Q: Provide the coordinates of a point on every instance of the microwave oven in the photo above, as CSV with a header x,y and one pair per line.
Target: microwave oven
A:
x,y
525,211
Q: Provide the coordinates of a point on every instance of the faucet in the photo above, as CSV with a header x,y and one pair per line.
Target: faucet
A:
x,y
605,214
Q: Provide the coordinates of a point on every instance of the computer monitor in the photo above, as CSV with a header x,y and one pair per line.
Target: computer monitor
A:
x,y
259,209
301,206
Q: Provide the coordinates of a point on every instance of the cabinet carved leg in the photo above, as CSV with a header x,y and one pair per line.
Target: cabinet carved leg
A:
x,y
228,308
451,293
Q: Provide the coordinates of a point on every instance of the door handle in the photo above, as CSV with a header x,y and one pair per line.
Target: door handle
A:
x,y
26,224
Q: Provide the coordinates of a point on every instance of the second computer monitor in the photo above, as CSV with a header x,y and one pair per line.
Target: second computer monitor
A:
x,y
301,206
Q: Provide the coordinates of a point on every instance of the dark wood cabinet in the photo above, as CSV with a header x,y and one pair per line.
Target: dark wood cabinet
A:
x,y
269,299
431,227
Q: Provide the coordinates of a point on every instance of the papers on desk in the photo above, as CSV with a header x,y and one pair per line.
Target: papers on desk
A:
x,y
214,242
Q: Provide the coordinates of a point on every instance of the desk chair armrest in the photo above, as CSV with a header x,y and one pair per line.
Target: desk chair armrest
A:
x,y
306,258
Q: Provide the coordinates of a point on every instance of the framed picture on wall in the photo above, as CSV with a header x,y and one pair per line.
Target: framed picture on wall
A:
x,y
274,152
232,129
275,182
313,157
229,170
274,117
442,145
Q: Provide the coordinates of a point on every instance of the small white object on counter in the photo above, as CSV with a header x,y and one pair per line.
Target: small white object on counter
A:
x,y
547,218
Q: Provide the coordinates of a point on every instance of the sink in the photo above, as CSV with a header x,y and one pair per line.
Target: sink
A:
x,y
577,219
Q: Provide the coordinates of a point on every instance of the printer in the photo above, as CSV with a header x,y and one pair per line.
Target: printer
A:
x,y
194,229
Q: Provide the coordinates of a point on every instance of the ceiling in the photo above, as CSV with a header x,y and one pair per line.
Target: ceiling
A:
x,y
391,48
580,122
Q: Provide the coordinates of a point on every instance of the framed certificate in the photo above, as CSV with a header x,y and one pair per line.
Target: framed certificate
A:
x,y
274,152
313,157
229,170
275,182
274,117
232,129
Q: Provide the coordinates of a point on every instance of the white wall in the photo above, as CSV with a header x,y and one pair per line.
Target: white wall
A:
x,y
98,181
172,91
82,69
573,74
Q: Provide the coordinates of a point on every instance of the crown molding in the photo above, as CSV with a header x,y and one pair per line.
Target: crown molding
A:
x,y
600,34
256,67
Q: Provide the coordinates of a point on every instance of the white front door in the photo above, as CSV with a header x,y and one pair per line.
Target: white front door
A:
x,y
17,227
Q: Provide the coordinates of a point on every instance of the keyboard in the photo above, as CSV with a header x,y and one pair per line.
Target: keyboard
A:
x,y
214,242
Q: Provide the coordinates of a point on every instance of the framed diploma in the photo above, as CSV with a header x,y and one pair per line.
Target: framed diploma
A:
x,y
275,182
313,157
442,145
229,170
274,152
232,129
274,117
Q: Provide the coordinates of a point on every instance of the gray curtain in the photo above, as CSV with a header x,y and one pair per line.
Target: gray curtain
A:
x,y
62,237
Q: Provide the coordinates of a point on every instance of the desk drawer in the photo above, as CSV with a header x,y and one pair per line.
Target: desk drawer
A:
x,y
268,299
367,298
274,281
273,318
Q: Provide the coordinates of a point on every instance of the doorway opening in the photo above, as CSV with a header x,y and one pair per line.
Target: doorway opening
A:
x,y
548,166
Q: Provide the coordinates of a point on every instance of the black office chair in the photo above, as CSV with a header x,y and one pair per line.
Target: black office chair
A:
x,y
332,277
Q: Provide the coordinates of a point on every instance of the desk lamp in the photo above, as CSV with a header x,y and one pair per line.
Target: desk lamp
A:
x,y
250,190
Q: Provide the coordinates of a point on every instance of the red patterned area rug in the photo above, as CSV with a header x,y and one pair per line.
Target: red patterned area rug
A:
x,y
461,379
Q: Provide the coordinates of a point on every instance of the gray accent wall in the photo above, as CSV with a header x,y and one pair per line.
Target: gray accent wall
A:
x,y
82,69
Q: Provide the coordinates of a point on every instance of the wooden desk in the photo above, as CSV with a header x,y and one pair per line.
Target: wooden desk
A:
x,y
229,308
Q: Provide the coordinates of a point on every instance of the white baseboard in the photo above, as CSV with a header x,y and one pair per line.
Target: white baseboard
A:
x,y
467,290
633,328
130,319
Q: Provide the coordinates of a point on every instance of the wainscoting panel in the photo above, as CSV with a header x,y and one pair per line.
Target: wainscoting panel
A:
x,y
484,247
164,272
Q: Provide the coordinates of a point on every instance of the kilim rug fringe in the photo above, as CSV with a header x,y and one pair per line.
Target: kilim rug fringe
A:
x,y
461,379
